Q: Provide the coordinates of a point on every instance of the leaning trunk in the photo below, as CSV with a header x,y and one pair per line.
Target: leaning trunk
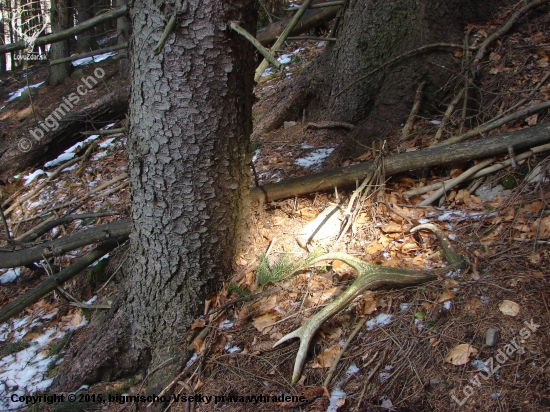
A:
x,y
190,120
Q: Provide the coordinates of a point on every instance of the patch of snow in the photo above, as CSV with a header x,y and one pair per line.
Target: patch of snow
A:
x,y
285,58
384,376
233,349
14,95
30,177
10,275
226,324
62,158
106,39
92,300
314,158
435,121
98,58
352,370
267,72
99,155
447,304
336,397
190,361
382,320
419,324
403,307
106,143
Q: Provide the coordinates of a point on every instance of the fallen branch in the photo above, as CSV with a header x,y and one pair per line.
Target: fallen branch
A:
x,y
487,127
330,125
51,283
263,65
464,176
103,132
403,162
481,173
447,115
89,54
309,20
45,227
23,257
263,51
65,34
416,106
502,30
369,276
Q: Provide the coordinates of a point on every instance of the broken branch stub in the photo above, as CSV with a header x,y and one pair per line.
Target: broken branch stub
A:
x,y
369,276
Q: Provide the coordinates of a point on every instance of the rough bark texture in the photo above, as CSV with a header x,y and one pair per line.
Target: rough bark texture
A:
x,y
124,30
85,41
190,120
372,33
60,21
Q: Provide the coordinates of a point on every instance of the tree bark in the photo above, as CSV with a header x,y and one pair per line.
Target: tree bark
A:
x,y
190,120
371,34
85,41
124,30
60,21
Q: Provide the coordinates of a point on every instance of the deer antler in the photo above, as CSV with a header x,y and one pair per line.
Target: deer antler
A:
x,y
368,276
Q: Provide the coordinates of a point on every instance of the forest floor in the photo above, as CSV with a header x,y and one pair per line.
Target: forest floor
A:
x,y
419,348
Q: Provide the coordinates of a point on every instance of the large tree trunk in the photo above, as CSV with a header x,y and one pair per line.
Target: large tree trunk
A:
x,y
85,41
190,121
372,33
59,50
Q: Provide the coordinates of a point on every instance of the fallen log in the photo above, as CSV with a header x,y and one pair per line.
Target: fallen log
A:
x,y
114,230
35,294
311,19
13,159
490,146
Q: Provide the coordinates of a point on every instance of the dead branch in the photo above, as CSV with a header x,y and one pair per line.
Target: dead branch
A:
x,y
490,146
263,65
51,283
65,34
368,276
467,174
310,20
45,227
118,229
263,51
330,125
414,110
89,54
487,127
502,30
447,115
481,173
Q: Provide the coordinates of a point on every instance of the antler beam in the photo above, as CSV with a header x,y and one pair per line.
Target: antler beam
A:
x,y
369,276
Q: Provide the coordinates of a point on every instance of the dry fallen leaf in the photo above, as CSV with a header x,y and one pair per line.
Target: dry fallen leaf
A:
x,y
266,320
509,308
460,355
472,305
445,296
327,358
197,323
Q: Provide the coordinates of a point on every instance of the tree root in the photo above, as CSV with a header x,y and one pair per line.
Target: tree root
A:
x,y
368,276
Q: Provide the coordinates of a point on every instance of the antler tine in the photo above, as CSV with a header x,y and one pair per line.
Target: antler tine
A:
x,y
368,276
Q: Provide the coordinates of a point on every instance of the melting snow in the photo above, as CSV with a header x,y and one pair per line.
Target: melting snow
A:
x,y
382,320
96,59
30,177
62,158
314,158
336,396
352,370
226,325
14,95
10,275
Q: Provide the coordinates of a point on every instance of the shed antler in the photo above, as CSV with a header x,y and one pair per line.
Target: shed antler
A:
x,y
369,276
